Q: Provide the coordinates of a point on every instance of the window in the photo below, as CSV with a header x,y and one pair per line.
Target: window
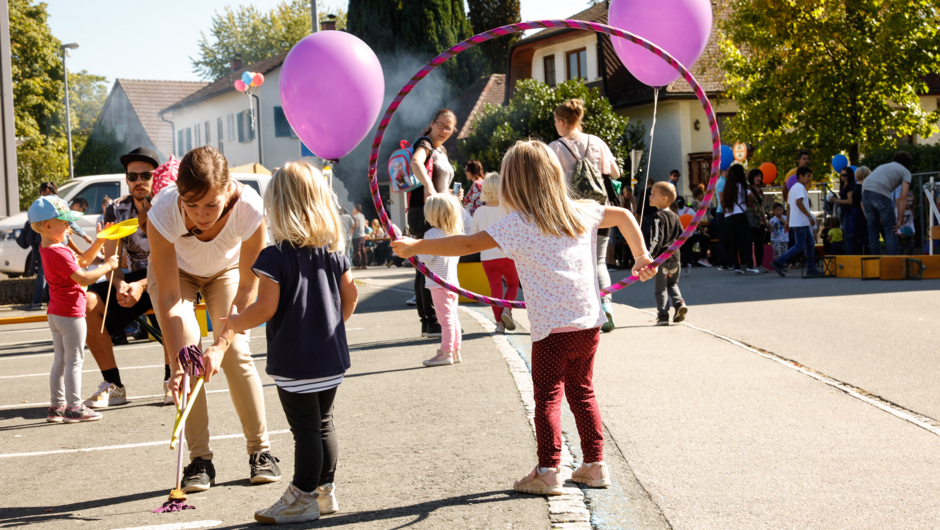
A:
x,y
549,65
282,128
576,64
724,119
198,134
181,145
95,192
246,127
208,136
231,126
189,140
219,134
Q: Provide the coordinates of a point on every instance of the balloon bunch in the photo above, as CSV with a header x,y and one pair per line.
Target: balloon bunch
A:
x,y
249,80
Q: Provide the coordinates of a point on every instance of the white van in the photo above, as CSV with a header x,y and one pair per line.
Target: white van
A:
x,y
14,260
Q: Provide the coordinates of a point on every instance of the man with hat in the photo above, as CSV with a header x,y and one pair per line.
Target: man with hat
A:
x,y
129,298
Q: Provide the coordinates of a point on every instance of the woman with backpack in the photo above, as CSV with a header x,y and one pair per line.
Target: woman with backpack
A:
x,y
573,147
431,167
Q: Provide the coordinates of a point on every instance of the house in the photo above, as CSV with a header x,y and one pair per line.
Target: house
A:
x,y
491,90
132,112
930,102
221,116
682,137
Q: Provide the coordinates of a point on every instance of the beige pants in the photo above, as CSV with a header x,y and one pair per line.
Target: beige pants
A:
x,y
243,381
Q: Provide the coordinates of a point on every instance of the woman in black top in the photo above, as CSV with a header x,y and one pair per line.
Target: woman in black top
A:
x,y
845,200
429,146
856,244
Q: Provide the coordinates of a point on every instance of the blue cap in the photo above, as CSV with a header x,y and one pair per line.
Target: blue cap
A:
x,y
51,207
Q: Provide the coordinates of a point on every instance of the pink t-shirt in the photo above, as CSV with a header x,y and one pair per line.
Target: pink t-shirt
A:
x,y
558,273
66,298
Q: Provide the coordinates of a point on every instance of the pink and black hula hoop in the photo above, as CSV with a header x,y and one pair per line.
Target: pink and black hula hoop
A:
x,y
515,28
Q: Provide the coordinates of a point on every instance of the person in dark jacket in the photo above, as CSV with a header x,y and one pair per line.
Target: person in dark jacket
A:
x,y
663,230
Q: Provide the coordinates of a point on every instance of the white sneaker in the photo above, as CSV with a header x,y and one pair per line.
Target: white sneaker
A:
x,y
108,394
167,394
294,506
413,301
326,499
506,317
441,359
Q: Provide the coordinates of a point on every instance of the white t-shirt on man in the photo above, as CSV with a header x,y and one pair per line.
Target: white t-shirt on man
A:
x,y
797,217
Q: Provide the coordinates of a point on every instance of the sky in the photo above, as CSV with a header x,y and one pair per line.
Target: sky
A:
x,y
134,39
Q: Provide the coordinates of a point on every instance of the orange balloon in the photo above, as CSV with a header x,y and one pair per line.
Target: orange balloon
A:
x,y
685,220
770,172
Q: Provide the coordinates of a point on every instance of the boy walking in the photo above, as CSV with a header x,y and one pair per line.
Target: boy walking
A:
x,y
801,222
662,232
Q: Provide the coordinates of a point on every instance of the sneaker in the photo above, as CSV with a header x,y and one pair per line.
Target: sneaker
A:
x,y
722,268
500,327
424,329
593,475
704,263
198,475
441,359
434,330
662,320
779,269
680,314
55,414
264,468
763,269
739,271
167,394
508,322
456,354
80,414
326,499
34,307
294,506
108,394
548,483
608,326
413,301
118,339
751,271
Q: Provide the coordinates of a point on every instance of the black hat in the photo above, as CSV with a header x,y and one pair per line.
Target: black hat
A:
x,y
141,154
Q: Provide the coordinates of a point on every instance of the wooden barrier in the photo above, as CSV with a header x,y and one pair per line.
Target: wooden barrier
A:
x,y
887,267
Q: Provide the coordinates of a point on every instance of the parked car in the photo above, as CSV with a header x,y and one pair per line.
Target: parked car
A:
x,y
15,261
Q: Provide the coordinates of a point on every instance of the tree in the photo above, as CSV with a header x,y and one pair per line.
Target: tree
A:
x,y
490,14
530,114
828,76
255,35
375,22
87,94
429,27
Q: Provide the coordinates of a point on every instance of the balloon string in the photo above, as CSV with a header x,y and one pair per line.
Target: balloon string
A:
x,y
649,157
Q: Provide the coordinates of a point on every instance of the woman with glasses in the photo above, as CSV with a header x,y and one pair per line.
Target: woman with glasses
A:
x,y
435,172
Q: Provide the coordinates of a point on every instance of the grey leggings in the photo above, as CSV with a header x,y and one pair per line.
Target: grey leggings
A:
x,y
65,380
603,277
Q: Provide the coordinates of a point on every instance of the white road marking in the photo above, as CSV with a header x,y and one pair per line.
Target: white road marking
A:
x,y
129,399
354,329
124,446
83,371
177,526
116,348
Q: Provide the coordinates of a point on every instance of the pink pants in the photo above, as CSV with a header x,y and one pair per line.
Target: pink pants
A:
x,y
563,363
496,270
445,306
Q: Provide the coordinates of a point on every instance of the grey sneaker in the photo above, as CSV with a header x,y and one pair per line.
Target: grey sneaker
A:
x,y
294,506
55,414
326,498
264,468
198,475
80,414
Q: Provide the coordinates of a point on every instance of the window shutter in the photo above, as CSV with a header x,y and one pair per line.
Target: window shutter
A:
x,y
241,136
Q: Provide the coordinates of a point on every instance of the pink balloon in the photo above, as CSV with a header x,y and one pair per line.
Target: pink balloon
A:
x,y
791,181
240,85
681,27
257,80
332,87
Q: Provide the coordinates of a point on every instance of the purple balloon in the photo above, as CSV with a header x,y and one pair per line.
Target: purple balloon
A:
x,y
681,27
791,181
332,87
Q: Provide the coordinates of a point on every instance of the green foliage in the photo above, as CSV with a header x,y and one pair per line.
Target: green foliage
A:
x,y
376,23
87,94
828,76
37,162
38,90
530,114
255,35
490,14
926,157
101,154
431,26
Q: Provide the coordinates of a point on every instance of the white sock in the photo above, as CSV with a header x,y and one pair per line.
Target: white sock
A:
x,y
545,469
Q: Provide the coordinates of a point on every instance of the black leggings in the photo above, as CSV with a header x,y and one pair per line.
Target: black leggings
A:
x,y
419,226
310,417
738,239
759,238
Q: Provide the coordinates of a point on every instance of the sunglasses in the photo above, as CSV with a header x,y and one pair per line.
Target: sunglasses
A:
x,y
146,175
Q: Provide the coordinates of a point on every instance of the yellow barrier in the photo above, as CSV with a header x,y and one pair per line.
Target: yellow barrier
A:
x,y
472,278
201,316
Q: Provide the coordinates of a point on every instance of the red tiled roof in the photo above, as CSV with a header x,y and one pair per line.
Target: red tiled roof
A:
x,y
227,83
469,104
149,97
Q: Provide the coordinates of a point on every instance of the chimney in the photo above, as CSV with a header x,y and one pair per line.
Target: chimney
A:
x,y
329,23
237,62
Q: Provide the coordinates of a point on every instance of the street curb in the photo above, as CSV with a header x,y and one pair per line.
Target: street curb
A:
x,y
567,511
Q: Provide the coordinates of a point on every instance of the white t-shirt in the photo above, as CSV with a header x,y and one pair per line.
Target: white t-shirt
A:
x,y
483,218
597,152
443,266
797,217
559,273
741,204
206,258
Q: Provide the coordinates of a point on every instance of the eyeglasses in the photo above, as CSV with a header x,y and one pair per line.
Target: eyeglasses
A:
x,y
146,175
443,127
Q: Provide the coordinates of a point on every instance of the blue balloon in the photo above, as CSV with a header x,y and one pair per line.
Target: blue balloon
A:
x,y
839,162
854,168
727,157
246,78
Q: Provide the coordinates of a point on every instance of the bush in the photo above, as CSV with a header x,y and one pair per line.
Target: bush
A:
x,y
926,157
101,154
530,114
38,162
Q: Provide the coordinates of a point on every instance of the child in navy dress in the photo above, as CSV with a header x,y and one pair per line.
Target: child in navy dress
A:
x,y
553,241
306,294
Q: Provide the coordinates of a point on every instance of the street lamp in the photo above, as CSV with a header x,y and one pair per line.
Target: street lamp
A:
x,y
68,114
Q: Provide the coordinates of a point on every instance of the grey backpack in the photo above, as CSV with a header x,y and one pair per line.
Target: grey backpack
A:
x,y
586,180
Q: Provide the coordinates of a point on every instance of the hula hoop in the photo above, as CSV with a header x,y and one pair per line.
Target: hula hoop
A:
x,y
515,28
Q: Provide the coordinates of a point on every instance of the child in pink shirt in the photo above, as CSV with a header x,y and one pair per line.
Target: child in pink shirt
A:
x,y
552,240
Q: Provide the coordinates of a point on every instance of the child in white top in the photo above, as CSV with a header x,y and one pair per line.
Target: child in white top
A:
x,y
552,239
444,214
495,264
779,239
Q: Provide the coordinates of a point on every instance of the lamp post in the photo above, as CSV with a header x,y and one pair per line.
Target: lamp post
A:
x,y
68,114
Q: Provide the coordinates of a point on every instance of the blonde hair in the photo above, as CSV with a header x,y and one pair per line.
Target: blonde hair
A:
x,y
38,226
862,173
534,184
299,207
572,111
490,191
667,189
443,211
